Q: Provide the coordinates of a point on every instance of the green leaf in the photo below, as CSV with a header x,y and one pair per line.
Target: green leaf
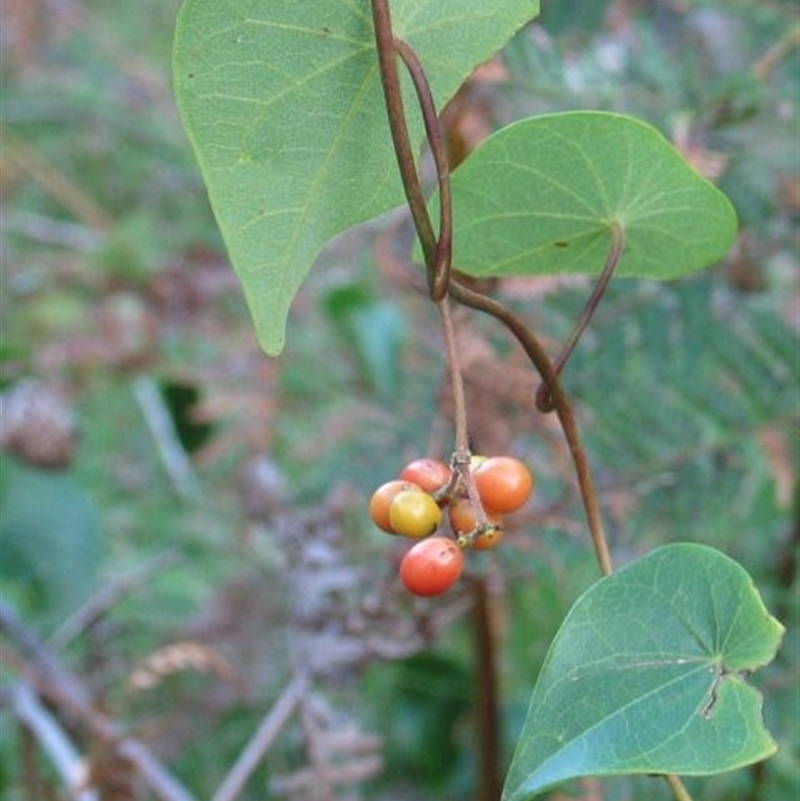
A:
x,y
49,538
282,103
698,367
372,331
541,195
647,675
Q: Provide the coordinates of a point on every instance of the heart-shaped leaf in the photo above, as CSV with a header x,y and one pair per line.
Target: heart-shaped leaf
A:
x,y
283,106
541,195
647,675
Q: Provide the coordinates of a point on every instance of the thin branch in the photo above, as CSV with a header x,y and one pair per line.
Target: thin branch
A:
x,y
48,672
262,739
57,683
543,400
487,705
99,604
176,462
561,406
53,740
437,252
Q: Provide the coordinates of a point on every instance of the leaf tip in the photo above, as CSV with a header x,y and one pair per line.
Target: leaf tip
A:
x,y
271,342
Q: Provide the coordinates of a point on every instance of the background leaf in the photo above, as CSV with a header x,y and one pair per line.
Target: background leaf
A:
x,y
644,676
282,103
669,372
540,195
372,331
49,539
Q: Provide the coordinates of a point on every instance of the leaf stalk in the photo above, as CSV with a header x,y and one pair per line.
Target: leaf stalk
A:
x,y
543,400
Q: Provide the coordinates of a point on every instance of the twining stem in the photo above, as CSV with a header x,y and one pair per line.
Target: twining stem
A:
x,y
441,269
437,251
561,405
386,47
543,400
487,774
563,409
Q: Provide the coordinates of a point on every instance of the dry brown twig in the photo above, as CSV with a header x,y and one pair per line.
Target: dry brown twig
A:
x,y
64,756
50,679
262,739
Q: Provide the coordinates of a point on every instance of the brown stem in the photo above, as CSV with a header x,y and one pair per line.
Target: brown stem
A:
x,y
462,453
488,778
543,400
436,251
563,409
386,48
440,271
561,406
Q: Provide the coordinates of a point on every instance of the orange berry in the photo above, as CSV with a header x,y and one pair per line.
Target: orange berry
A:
x,y
503,483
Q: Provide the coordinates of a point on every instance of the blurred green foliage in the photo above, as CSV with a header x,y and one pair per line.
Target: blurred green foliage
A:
x,y
113,269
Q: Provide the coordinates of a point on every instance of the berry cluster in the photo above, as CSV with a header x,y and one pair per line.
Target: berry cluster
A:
x,y
475,496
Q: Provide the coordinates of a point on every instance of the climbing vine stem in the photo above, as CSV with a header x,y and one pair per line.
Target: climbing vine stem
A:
x,y
436,250
561,406
442,285
384,41
440,269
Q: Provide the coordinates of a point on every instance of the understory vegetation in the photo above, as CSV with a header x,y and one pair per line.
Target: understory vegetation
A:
x,y
187,558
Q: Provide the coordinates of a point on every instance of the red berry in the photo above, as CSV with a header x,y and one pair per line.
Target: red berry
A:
x,y
430,474
432,566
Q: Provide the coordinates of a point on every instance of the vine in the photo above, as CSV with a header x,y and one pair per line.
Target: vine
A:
x,y
595,193
437,259
649,672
